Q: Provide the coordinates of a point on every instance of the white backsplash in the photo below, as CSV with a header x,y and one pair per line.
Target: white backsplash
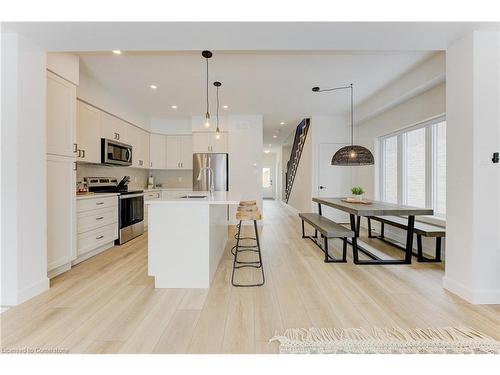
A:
x,y
173,178
138,177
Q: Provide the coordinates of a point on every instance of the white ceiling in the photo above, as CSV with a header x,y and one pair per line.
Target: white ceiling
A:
x,y
274,84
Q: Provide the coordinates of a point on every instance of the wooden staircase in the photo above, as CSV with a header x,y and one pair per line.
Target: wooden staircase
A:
x,y
293,163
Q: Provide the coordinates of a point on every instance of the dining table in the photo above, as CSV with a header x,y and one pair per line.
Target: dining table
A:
x,y
356,210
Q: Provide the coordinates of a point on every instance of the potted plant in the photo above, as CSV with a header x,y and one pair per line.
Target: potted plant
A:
x,y
358,192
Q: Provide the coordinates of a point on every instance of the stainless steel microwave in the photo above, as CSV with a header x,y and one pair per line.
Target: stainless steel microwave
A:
x,y
115,153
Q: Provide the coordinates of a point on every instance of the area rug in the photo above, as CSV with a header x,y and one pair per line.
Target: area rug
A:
x,y
446,340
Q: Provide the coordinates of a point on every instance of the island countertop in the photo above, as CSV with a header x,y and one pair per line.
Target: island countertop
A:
x,y
217,197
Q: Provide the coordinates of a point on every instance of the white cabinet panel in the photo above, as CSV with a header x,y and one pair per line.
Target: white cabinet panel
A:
x,y
208,142
91,240
113,128
201,142
61,116
61,217
88,133
144,136
94,219
186,157
173,152
218,145
96,203
157,151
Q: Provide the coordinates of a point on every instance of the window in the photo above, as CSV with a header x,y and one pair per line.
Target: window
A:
x,y
413,166
266,177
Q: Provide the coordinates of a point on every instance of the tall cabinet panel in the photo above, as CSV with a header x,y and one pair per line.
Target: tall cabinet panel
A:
x,y
61,178
61,109
186,142
173,152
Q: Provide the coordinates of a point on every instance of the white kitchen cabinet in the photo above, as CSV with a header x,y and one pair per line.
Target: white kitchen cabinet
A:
x,y
88,133
148,196
186,157
114,128
179,152
61,116
144,137
157,151
61,216
97,225
208,142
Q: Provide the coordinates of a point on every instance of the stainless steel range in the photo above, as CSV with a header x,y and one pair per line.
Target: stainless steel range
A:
x,y
130,205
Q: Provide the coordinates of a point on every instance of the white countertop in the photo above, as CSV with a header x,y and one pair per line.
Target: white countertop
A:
x,y
96,195
166,189
217,197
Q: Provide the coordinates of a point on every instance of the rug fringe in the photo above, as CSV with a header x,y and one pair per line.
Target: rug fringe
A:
x,y
417,340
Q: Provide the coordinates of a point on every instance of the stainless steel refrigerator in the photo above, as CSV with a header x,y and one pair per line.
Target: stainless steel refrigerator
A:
x,y
218,163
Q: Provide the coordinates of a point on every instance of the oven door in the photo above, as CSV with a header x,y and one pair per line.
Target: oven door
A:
x,y
131,209
115,153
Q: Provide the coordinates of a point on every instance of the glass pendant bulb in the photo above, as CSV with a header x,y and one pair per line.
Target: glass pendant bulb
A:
x,y
207,120
217,134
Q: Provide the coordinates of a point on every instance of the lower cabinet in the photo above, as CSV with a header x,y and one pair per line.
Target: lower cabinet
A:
x,y
61,216
97,225
152,195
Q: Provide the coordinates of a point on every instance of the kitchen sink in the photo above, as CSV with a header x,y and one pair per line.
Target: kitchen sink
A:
x,y
193,196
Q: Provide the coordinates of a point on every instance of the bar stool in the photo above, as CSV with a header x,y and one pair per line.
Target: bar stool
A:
x,y
247,211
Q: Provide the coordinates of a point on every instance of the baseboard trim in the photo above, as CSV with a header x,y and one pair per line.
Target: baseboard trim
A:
x,y
33,290
92,253
290,208
476,297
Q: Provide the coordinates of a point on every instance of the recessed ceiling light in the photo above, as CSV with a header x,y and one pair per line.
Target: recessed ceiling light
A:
x,y
266,151
173,106
275,136
153,87
225,106
282,123
117,52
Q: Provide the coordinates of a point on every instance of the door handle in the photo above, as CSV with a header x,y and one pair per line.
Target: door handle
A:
x,y
75,147
322,187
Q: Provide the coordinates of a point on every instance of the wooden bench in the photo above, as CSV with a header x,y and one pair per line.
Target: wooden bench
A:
x,y
420,229
328,229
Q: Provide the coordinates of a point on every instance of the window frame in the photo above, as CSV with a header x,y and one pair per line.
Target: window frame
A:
x,y
431,152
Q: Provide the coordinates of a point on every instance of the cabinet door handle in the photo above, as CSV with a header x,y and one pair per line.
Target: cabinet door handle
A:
x,y
75,147
79,153
99,203
118,136
99,237
83,153
99,218
150,163
181,164
75,166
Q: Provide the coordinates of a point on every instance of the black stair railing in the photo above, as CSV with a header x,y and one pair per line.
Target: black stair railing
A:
x,y
293,163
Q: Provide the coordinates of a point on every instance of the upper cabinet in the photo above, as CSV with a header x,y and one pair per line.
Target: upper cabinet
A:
x,y
205,142
61,114
179,152
88,133
114,128
139,140
157,151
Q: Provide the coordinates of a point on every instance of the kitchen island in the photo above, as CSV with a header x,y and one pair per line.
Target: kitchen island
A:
x,y
187,236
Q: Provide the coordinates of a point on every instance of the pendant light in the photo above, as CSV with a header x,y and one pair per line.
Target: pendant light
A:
x,y
207,55
217,130
353,155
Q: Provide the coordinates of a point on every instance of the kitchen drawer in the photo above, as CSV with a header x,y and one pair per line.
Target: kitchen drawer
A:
x,y
152,195
95,203
99,218
93,239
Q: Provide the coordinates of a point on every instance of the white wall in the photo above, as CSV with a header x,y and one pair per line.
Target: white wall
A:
x,y
24,222
66,65
94,93
473,189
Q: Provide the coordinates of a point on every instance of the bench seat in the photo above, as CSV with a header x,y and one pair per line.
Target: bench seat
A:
x,y
420,229
325,226
423,229
328,229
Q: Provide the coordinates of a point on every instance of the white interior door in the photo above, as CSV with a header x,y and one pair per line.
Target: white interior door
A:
x,y
268,177
333,181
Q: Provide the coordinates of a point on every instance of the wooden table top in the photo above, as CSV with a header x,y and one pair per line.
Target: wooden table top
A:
x,y
376,208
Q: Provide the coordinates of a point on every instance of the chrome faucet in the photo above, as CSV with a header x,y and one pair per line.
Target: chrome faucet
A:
x,y
211,177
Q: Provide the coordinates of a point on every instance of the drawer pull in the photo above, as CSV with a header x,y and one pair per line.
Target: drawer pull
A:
x,y
99,218
98,238
99,203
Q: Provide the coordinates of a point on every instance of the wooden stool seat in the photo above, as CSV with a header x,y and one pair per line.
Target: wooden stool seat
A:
x,y
248,214
248,203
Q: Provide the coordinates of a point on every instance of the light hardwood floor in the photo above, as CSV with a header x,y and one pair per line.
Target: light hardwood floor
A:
x,y
107,304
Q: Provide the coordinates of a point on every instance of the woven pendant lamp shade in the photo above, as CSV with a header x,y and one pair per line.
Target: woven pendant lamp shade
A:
x,y
353,156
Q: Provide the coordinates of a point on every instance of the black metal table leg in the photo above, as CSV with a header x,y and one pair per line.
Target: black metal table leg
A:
x,y
354,240
358,224
409,239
